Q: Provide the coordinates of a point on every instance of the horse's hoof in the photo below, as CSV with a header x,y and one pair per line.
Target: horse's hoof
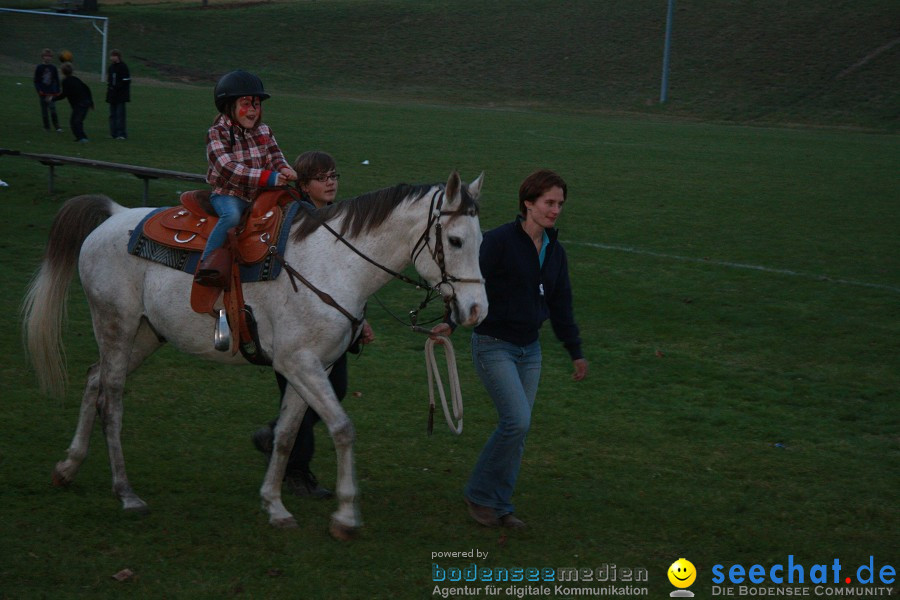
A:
x,y
132,504
288,523
58,479
140,508
343,533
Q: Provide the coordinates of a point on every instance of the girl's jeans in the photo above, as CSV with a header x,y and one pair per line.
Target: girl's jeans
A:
x,y
229,209
510,374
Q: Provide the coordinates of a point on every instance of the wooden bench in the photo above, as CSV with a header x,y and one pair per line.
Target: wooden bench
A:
x,y
143,173
68,6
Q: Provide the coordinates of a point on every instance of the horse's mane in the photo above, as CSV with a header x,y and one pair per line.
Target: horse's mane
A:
x,y
368,211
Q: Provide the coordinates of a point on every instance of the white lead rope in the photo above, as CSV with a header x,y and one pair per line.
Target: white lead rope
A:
x,y
434,373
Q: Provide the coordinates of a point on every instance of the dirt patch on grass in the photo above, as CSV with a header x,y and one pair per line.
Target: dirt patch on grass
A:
x,y
194,4
178,72
228,5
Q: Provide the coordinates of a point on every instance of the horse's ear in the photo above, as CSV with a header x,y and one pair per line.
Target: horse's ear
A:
x,y
453,184
475,187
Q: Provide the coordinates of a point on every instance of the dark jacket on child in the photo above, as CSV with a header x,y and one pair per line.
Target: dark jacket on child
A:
x,y
76,92
118,83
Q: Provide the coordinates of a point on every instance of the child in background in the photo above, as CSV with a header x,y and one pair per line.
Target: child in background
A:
x,y
46,83
118,94
80,99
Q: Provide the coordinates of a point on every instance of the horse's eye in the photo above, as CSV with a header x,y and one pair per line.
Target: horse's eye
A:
x,y
455,241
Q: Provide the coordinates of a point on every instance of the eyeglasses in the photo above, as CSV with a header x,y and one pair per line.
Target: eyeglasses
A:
x,y
323,177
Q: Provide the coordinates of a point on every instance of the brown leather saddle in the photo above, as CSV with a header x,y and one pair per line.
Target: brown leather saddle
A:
x,y
187,227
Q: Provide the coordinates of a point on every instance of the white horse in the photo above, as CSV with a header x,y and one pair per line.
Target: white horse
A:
x,y
137,305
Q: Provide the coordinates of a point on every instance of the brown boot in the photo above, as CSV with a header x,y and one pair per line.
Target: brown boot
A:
x,y
215,269
485,515
512,522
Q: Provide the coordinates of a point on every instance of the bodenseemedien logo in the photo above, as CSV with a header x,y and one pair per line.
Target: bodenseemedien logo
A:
x,y
485,580
682,574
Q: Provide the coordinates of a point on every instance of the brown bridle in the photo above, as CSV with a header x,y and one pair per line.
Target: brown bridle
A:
x,y
424,241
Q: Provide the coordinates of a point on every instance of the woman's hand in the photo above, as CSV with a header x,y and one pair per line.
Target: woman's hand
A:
x,y
367,336
581,369
440,330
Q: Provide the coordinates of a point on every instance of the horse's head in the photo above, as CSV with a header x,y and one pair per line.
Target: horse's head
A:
x,y
448,256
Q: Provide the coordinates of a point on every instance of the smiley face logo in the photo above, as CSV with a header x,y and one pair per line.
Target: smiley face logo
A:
x,y
682,573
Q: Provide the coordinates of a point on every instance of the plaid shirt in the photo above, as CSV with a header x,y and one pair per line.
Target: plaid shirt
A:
x,y
242,168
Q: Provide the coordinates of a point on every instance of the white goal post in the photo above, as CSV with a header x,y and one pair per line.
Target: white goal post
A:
x,y
25,32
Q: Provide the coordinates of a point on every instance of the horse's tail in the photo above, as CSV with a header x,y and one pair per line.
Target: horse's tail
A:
x,y
44,306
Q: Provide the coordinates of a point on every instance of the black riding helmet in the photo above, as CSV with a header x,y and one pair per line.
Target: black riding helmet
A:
x,y
236,84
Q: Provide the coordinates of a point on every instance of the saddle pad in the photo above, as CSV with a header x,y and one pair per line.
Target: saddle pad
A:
x,y
185,259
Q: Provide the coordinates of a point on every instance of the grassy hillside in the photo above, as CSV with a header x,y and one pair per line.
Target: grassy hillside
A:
x,y
759,61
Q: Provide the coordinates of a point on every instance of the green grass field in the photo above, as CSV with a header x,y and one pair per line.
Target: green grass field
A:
x,y
737,288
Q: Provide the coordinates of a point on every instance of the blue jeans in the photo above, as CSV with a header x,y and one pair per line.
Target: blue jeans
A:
x,y
117,120
229,209
48,110
510,374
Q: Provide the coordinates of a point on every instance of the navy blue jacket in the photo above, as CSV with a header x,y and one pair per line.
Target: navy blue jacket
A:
x,y
521,293
46,80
